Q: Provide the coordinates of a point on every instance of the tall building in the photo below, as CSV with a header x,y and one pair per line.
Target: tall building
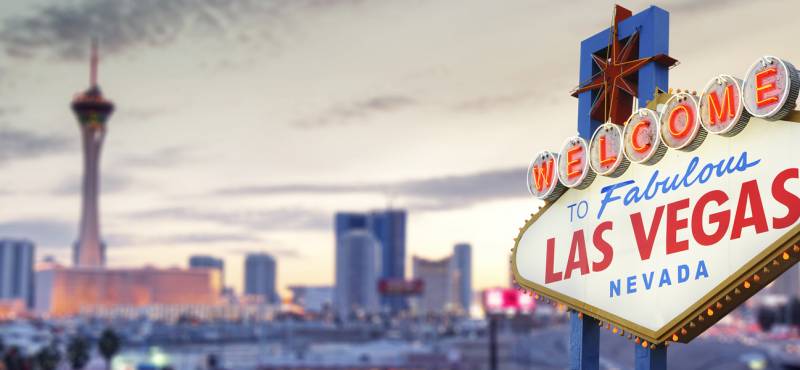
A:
x,y
259,277
209,262
16,270
358,262
92,111
441,285
462,258
389,228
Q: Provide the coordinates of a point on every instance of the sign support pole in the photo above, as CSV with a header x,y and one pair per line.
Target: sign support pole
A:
x,y
584,342
651,359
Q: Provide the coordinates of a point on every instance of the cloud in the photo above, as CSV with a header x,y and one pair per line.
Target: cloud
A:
x,y
358,110
164,157
127,240
19,144
63,29
438,193
258,220
281,252
46,233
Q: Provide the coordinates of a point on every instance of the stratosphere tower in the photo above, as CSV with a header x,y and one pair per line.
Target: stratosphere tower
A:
x,y
92,111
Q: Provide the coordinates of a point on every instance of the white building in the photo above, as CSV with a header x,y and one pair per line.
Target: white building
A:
x,y
358,259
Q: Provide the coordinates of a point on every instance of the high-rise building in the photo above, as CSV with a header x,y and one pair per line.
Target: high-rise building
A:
x,y
462,258
389,228
92,111
440,281
209,262
16,270
259,277
358,258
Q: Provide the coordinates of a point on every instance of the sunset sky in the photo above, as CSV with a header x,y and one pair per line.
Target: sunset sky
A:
x,y
244,125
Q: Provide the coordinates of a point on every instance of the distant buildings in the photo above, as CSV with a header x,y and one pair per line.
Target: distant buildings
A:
x,y
64,291
16,270
447,282
388,227
312,298
209,262
462,258
358,257
788,284
259,277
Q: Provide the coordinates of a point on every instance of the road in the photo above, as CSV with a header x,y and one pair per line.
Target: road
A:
x,y
549,351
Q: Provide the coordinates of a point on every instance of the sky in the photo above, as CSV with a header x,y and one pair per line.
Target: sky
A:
x,y
242,126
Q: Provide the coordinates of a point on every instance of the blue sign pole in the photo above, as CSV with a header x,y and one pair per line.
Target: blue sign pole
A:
x,y
584,342
651,359
652,24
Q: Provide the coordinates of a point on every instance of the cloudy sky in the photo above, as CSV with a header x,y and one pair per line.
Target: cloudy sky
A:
x,y
244,125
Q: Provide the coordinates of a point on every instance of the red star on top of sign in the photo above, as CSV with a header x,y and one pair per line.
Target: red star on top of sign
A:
x,y
616,83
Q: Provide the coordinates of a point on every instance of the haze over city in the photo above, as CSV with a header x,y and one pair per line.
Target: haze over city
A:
x,y
243,126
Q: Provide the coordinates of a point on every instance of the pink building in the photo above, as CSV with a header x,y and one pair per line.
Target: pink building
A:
x,y
65,291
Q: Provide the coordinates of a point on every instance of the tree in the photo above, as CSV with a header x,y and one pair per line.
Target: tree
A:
x,y
12,359
48,357
108,345
78,352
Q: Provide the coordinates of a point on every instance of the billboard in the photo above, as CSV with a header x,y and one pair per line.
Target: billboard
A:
x,y
400,287
664,225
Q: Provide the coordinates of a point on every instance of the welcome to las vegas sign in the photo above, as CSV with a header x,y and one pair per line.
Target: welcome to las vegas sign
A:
x,y
662,226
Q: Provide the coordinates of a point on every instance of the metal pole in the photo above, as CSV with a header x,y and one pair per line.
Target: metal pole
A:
x,y
584,342
651,359
492,341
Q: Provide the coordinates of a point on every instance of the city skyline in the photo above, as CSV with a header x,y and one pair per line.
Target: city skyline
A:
x,y
262,162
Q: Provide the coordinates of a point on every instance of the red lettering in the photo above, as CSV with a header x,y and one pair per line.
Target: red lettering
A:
x,y
673,117
639,148
785,197
715,114
763,88
601,245
749,194
675,224
573,162
577,249
645,242
721,218
542,175
604,158
549,275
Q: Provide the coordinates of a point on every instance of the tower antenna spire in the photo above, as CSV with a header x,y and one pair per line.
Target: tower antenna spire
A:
x,y
93,64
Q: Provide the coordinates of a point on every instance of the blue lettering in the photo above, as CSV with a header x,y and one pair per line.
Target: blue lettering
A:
x,y
687,179
665,279
648,283
631,284
702,271
614,288
608,198
683,273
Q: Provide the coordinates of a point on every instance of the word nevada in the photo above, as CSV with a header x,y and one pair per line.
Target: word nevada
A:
x,y
769,91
